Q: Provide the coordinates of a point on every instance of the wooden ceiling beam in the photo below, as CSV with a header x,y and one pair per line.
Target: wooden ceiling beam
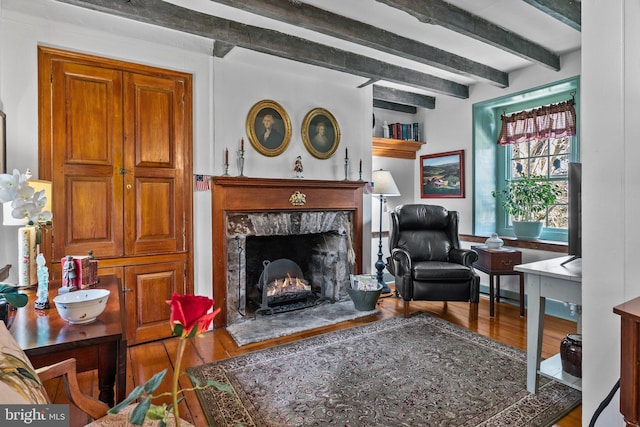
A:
x,y
393,106
313,18
396,96
566,11
439,12
160,13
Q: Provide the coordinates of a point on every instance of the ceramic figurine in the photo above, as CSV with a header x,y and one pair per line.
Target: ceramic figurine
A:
x,y
69,274
42,300
298,167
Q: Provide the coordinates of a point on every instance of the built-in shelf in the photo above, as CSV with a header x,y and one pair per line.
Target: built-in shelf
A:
x,y
386,147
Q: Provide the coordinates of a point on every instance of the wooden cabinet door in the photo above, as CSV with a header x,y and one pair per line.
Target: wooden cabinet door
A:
x,y
87,151
154,165
148,287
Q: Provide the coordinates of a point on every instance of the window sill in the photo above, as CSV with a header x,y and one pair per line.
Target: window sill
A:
x,y
540,245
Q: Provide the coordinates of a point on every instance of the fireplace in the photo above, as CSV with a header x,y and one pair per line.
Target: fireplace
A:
x,y
315,224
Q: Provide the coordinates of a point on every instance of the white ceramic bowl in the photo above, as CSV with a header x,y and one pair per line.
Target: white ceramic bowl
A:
x,y
82,306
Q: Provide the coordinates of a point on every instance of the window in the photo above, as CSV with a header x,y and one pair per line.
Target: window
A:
x,y
549,159
545,157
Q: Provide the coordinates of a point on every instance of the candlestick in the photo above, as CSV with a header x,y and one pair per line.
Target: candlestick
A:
x,y
346,168
226,156
346,153
360,171
242,144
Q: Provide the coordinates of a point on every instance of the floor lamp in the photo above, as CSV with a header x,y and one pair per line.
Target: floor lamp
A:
x,y
383,186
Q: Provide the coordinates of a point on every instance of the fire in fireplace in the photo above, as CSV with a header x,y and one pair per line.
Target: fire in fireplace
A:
x,y
282,288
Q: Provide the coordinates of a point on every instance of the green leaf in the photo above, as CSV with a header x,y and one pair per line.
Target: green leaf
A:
x,y
16,299
139,413
177,329
157,412
153,383
135,394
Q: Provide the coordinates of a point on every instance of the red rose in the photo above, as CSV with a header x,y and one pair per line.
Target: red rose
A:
x,y
189,314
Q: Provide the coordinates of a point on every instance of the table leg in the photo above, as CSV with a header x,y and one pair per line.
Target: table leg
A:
x,y
491,308
535,324
521,294
497,288
108,360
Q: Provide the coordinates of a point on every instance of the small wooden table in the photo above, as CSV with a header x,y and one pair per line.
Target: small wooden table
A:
x,y
496,263
629,360
47,339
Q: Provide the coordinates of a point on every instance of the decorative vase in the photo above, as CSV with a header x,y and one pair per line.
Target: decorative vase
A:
x,y
571,354
494,242
527,230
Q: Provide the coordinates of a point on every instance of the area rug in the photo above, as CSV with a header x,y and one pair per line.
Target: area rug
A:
x,y
264,327
421,371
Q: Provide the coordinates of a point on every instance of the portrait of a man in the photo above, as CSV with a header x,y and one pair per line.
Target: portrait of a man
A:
x,y
268,128
268,134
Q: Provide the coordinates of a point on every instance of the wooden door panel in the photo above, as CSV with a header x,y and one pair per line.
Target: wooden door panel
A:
x,y
148,288
86,156
89,227
155,211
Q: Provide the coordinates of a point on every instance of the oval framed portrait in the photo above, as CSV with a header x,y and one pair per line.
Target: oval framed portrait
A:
x,y
268,128
320,133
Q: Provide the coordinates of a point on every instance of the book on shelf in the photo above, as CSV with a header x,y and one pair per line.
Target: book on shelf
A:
x,y
405,131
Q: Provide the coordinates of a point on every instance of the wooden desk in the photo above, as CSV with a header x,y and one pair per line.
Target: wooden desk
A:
x,y
630,361
496,263
46,338
549,279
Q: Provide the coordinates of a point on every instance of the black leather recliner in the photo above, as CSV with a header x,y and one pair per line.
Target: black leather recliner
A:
x,y
427,260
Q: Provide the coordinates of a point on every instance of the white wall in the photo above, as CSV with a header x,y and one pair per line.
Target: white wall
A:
x,y
610,134
224,90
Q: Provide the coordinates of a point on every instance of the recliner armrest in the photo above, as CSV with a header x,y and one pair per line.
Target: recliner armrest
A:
x,y
463,256
401,260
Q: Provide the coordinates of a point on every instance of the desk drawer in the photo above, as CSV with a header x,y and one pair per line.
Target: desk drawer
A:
x,y
495,260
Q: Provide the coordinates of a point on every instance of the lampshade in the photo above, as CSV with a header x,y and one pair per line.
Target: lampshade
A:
x,y
38,185
383,183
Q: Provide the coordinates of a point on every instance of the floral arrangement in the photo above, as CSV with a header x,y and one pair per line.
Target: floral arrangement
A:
x,y
25,201
190,317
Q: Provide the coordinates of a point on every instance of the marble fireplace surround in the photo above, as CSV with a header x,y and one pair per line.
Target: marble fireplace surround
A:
x,y
244,207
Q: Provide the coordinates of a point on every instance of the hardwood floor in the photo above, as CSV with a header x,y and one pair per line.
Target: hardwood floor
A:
x,y
146,359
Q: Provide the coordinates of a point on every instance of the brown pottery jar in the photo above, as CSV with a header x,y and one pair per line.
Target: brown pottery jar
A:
x,y
571,354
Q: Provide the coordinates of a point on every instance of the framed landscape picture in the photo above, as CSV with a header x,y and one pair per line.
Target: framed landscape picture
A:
x,y
442,175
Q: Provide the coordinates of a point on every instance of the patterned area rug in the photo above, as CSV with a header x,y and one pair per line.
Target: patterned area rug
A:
x,y
421,371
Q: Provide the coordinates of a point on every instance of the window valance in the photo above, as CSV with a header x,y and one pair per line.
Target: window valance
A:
x,y
550,121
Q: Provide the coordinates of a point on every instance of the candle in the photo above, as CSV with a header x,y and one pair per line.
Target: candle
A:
x,y
346,153
226,156
242,144
361,166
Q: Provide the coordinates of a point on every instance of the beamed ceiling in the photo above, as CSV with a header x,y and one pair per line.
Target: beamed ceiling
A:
x,y
411,51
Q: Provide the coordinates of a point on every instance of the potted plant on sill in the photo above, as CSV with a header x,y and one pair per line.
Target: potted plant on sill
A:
x,y
524,199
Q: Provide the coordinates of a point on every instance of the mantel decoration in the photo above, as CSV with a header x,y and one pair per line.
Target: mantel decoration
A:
x,y
442,175
26,203
268,128
320,133
527,198
190,317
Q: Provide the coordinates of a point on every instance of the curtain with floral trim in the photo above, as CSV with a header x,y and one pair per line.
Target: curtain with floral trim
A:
x,y
551,121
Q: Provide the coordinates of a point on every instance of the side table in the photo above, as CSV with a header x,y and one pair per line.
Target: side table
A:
x,y
496,263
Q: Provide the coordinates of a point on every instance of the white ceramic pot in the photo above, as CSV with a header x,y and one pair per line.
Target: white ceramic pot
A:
x,y
82,306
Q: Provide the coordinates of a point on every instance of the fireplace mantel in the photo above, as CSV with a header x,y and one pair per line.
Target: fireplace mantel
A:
x,y
236,194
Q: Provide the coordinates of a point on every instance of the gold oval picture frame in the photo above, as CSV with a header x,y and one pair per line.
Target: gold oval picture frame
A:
x,y
268,128
320,133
